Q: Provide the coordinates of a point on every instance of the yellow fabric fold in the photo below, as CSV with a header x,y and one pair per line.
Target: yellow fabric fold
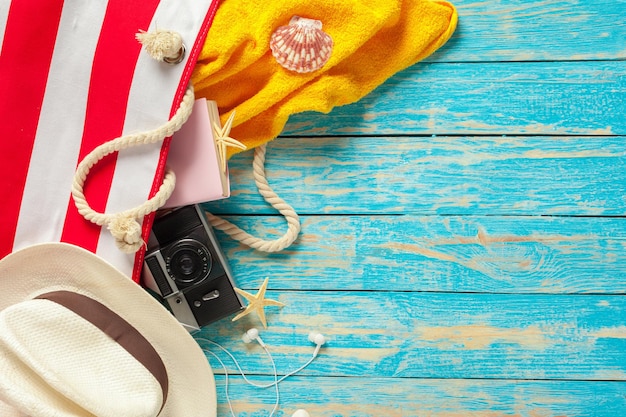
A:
x,y
373,40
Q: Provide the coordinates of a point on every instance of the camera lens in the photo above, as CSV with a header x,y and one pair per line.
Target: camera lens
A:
x,y
189,262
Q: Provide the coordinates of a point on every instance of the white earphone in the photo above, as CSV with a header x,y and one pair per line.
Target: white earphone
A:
x,y
318,339
248,337
314,337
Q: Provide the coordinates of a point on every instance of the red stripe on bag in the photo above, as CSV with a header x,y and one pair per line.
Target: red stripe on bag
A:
x,y
22,89
106,107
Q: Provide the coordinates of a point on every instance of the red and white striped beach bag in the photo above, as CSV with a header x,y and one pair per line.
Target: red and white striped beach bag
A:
x,y
73,77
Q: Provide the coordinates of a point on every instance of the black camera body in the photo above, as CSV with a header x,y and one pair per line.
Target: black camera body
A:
x,y
185,265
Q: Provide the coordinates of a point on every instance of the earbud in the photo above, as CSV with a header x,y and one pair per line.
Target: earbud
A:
x,y
318,339
301,413
250,335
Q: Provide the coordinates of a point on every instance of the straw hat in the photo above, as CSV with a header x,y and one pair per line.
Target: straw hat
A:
x,y
78,338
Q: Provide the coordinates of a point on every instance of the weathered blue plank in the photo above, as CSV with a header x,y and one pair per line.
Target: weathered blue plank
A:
x,y
465,254
523,30
438,175
540,98
413,397
433,335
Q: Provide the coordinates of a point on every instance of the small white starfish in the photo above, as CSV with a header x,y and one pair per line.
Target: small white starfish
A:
x,y
223,140
256,303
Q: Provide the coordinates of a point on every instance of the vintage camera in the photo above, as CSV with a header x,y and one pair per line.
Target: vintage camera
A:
x,y
185,265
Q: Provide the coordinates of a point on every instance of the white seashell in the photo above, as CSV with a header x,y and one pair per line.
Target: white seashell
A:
x,y
301,46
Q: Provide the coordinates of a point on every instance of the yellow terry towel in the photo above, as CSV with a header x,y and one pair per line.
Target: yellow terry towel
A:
x,y
373,39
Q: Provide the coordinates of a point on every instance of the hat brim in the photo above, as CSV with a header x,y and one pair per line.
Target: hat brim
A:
x,y
49,267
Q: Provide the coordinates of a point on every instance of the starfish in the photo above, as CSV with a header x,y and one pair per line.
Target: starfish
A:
x,y
256,303
223,141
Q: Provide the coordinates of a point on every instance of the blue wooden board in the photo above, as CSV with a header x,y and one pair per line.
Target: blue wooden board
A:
x,y
553,98
443,335
563,175
433,397
530,31
509,254
464,232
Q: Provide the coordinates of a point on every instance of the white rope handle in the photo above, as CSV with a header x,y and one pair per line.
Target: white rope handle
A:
x,y
293,221
124,226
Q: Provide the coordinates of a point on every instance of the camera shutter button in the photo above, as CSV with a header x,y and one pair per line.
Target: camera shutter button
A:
x,y
212,295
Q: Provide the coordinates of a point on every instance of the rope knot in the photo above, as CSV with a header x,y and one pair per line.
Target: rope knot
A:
x,y
127,233
163,45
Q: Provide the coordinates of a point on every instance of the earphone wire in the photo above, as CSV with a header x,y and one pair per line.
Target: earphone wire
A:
x,y
275,383
275,379
230,405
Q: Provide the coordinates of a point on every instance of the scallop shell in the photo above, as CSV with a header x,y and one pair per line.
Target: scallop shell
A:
x,y
301,46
